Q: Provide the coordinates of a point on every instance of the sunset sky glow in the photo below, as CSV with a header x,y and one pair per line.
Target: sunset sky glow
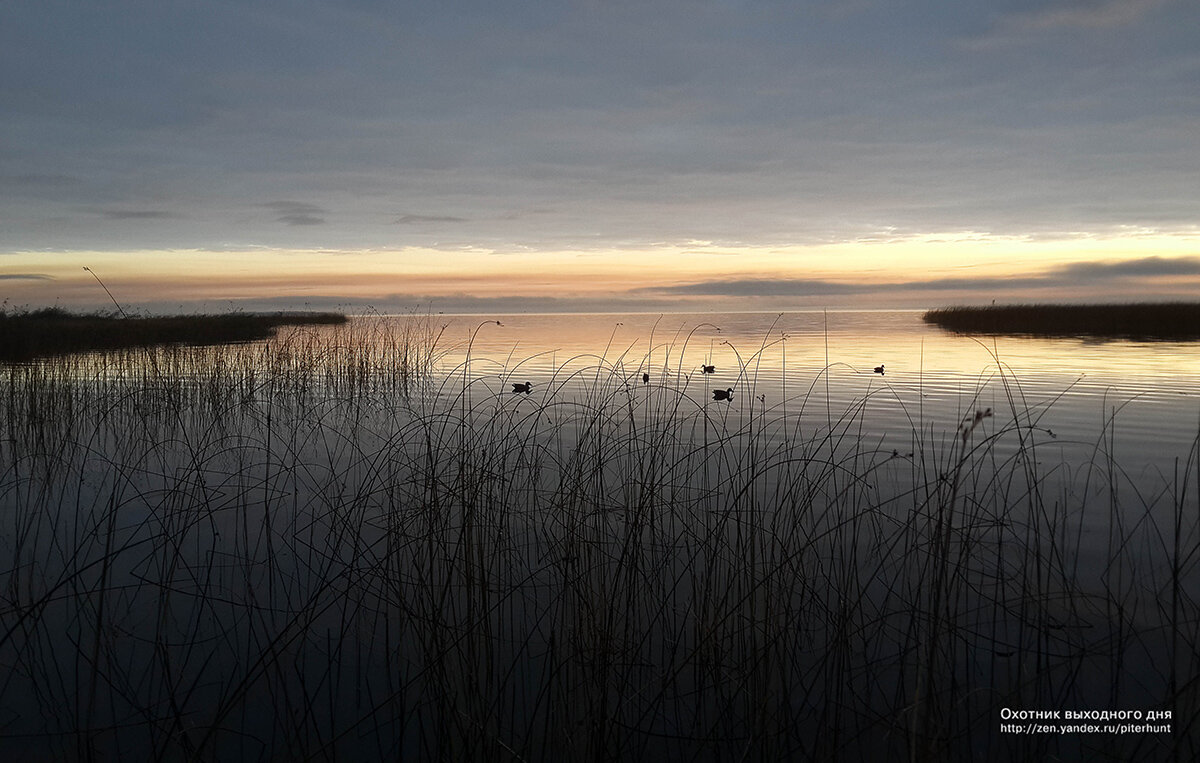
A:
x,y
598,155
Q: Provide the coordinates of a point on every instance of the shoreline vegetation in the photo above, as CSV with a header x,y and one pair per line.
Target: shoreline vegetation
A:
x,y
1149,321
54,331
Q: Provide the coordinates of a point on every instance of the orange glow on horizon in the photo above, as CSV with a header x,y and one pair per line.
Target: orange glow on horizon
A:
x,y
188,275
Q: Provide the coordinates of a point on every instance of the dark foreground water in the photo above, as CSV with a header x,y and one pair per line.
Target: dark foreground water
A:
x,y
358,543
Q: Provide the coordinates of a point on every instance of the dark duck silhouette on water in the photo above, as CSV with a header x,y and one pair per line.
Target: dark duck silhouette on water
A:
x,y
723,394
879,369
645,378
708,369
519,388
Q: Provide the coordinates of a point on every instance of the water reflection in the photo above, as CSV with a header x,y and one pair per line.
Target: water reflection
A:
x,y
1143,396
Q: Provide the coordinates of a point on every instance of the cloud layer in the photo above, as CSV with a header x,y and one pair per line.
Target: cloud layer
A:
x,y
1074,274
577,125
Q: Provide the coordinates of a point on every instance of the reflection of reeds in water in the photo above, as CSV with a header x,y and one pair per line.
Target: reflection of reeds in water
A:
x,y
320,548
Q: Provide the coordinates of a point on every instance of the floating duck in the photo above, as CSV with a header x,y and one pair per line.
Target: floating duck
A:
x,y
723,394
708,369
645,378
526,388
879,369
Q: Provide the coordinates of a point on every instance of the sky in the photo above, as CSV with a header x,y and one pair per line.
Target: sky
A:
x,y
616,155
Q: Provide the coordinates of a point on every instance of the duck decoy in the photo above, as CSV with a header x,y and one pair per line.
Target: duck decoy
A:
x,y
708,369
645,378
879,369
723,394
526,388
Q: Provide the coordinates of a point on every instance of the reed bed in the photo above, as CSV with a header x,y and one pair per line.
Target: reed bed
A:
x,y
338,545
1147,321
54,331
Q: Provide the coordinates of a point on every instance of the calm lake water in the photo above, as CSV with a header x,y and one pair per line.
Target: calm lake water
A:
x,y
309,548
1138,401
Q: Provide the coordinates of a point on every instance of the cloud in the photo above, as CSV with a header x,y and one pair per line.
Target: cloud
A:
x,y
296,212
1087,14
522,214
25,277
39,180
1022,28
292,206
801,287
1145,266
407,219
301,219
1067,275
765,123
136,214
47,187
761,287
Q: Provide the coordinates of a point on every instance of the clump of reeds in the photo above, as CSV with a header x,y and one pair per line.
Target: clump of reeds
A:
x,y
1143,321
54,331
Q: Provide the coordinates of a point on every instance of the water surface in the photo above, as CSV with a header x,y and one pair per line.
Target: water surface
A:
x,y
1140,399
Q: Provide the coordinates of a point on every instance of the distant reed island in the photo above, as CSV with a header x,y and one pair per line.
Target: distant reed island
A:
x,y
54,331
1144,321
